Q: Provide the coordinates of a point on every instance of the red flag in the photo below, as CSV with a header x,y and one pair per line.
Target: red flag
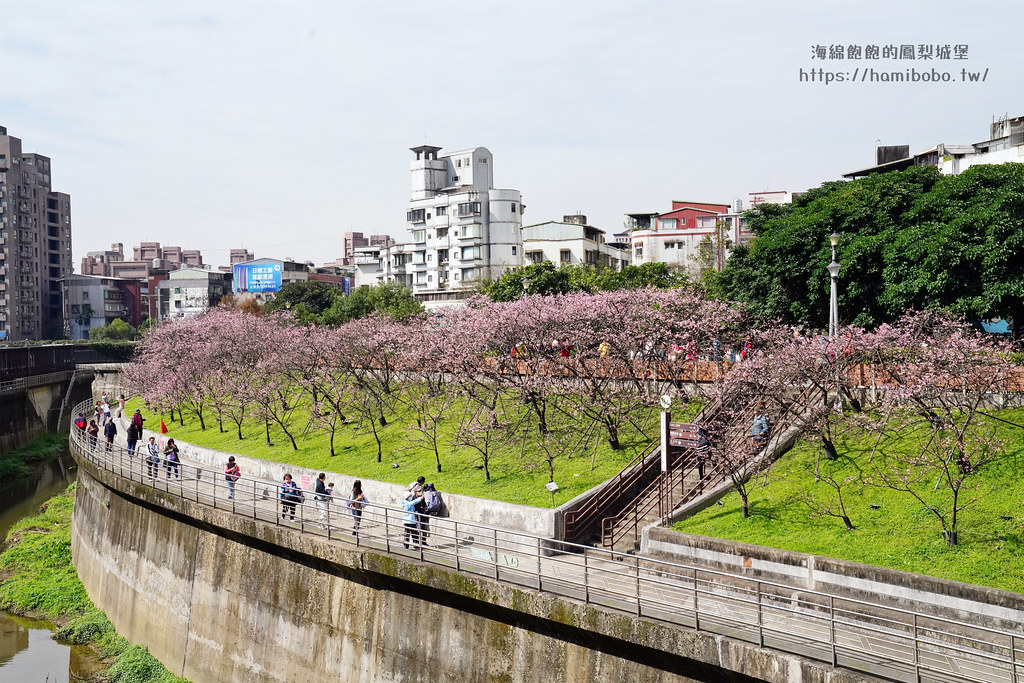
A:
x,y
163,427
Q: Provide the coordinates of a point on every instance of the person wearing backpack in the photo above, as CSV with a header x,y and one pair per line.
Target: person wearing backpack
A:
x,y
356,503
432,505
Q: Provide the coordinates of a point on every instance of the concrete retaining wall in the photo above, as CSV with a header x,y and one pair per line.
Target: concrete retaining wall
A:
x,y
217,597
977,605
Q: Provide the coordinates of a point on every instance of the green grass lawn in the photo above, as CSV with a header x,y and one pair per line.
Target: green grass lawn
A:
x,y
900,533
518,472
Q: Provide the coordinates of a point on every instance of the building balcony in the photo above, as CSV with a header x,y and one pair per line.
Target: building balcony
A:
x,y
367,260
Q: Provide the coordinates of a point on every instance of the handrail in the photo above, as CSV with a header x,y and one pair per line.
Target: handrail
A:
x,y
660,492
822,626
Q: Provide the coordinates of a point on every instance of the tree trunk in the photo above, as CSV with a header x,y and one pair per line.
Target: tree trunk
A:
x,y
266,424
950,537
745,508
613,436
846,521
829,447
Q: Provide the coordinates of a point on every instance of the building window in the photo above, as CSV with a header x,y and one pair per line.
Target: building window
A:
x,y
441,210
469,253
458,163
513,251
513,207
667,223
419,236
469,209
442,232
566,256
416,215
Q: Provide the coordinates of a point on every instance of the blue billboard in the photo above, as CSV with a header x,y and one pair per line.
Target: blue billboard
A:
x,y
257,277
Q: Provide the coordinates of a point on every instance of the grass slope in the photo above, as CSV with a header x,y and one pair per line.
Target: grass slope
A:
x,y
19,462
900,533
518,472
38,579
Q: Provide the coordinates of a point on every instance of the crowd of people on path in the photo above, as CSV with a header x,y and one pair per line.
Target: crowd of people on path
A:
x,y
420,501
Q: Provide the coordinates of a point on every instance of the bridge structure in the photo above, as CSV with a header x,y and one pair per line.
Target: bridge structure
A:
x,y
221,587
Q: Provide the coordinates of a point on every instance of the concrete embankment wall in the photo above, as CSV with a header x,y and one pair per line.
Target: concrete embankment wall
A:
x,y
30,412
217,597
978,605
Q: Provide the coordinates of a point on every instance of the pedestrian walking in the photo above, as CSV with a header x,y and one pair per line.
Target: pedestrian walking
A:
x,y
105,407
410,519
322,497
93,430
80,421
152,458
291,495
120,406
172,459
232,472
132,437
432,505
356,502
137,420
109,432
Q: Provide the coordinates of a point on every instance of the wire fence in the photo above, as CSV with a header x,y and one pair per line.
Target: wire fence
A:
x,y
869,637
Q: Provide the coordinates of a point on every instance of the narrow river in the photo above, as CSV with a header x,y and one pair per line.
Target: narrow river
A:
x,y
28,651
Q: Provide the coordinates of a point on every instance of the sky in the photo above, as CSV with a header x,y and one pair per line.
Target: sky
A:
x,y
279,126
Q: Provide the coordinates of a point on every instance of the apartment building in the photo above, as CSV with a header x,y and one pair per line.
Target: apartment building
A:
x,y
692,236
1005,143
94,301
463,229
572,241
190,291
35,245
148,259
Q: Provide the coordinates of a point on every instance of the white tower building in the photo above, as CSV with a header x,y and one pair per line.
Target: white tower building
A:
x,y
463,229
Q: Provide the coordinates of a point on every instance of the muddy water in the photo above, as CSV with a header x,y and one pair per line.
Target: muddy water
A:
x,y
28,651
22,498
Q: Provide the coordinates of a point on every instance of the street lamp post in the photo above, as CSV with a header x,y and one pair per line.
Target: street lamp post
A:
x,y
833,270
833,312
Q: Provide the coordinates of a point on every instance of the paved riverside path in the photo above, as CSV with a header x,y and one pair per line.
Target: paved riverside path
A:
x,y
877,640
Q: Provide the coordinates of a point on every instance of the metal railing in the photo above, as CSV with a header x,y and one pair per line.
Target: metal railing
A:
x,y
883,641
15,385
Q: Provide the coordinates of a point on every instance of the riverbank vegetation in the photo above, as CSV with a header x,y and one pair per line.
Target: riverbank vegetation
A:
x,y
21,461
38,579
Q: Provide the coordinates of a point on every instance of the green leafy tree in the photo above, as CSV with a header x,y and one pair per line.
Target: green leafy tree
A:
x,y
388,299
545,278
85,316
116,330
912,238
307,300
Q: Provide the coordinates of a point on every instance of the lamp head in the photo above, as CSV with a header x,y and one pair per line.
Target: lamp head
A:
x,y
834,238
833,269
